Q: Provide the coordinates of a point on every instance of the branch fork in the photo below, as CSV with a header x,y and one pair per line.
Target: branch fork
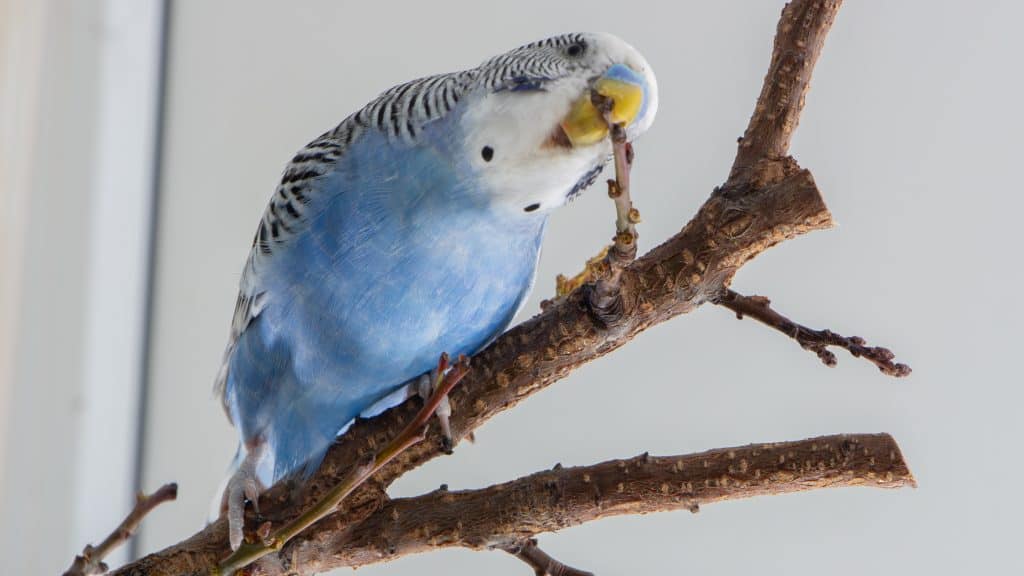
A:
x,y
90,561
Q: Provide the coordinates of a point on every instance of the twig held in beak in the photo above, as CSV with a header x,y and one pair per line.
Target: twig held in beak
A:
x,y
602,273
604,296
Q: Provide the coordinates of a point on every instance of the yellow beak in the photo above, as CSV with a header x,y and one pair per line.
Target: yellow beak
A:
x,y
584,124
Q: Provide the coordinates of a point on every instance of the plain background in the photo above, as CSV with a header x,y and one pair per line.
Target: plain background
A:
x,y
913,132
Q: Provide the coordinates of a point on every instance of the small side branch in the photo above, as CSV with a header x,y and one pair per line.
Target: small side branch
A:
x,y
603,273
605,296
626,216
817,341
542,562
90,561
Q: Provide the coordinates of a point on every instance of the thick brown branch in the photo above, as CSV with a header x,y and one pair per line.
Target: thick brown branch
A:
x,y
542,563
500,516
768,198
817,341
90,561
799,38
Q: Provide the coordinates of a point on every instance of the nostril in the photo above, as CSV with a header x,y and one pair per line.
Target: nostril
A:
x,y
531,207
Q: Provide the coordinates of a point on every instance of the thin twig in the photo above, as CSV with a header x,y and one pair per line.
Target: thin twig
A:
x,y
626,216
542,562
817,341
605,269
414,432
90,561
605,297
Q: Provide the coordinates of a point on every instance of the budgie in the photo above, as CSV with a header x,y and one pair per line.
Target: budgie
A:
x,y
412,228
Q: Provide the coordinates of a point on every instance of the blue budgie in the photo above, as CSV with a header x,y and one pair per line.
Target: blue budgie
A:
x,y
411,229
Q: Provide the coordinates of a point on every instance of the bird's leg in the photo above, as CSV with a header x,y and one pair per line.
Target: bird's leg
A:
x,y
423,386
427,384
243,485
272,540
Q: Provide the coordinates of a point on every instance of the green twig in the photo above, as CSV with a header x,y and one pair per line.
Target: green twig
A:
x,y
413,433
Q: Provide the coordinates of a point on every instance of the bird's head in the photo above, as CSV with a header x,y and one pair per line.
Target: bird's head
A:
x,y
530,127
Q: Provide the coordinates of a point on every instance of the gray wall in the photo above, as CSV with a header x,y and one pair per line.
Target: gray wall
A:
x,y
48,364
912,130
77,112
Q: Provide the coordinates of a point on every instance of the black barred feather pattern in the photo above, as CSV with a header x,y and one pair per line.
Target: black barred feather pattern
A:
x,y
400,113
287,208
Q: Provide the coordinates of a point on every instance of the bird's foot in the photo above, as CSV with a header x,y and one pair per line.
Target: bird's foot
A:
x,y
426,386
243,485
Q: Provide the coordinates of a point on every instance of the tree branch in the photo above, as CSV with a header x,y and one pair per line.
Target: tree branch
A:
x,y
504,515
817,341
90,561
604,294
799,38
542,563
601,274
767,199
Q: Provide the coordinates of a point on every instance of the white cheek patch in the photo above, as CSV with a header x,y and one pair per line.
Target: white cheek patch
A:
x,y
506,137
510,123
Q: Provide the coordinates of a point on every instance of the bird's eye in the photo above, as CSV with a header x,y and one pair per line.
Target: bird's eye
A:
x,y
531,207
487,153
576,50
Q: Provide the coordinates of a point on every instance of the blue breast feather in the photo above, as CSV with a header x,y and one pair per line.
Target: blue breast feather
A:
x,y
403,259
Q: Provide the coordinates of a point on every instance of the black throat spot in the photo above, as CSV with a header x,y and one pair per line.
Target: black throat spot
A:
x,y
584,182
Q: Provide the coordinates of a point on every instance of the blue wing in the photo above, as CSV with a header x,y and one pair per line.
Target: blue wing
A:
x,y
392,261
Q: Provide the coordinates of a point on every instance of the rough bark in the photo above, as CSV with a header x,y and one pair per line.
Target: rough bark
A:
x,y
501,516
767,199
541,562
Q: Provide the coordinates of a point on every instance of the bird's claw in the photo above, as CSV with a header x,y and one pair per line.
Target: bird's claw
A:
x,y
243,485
444,412
425,387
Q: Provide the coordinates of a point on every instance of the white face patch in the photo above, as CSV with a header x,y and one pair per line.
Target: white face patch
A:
x,y
507,134
507,140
